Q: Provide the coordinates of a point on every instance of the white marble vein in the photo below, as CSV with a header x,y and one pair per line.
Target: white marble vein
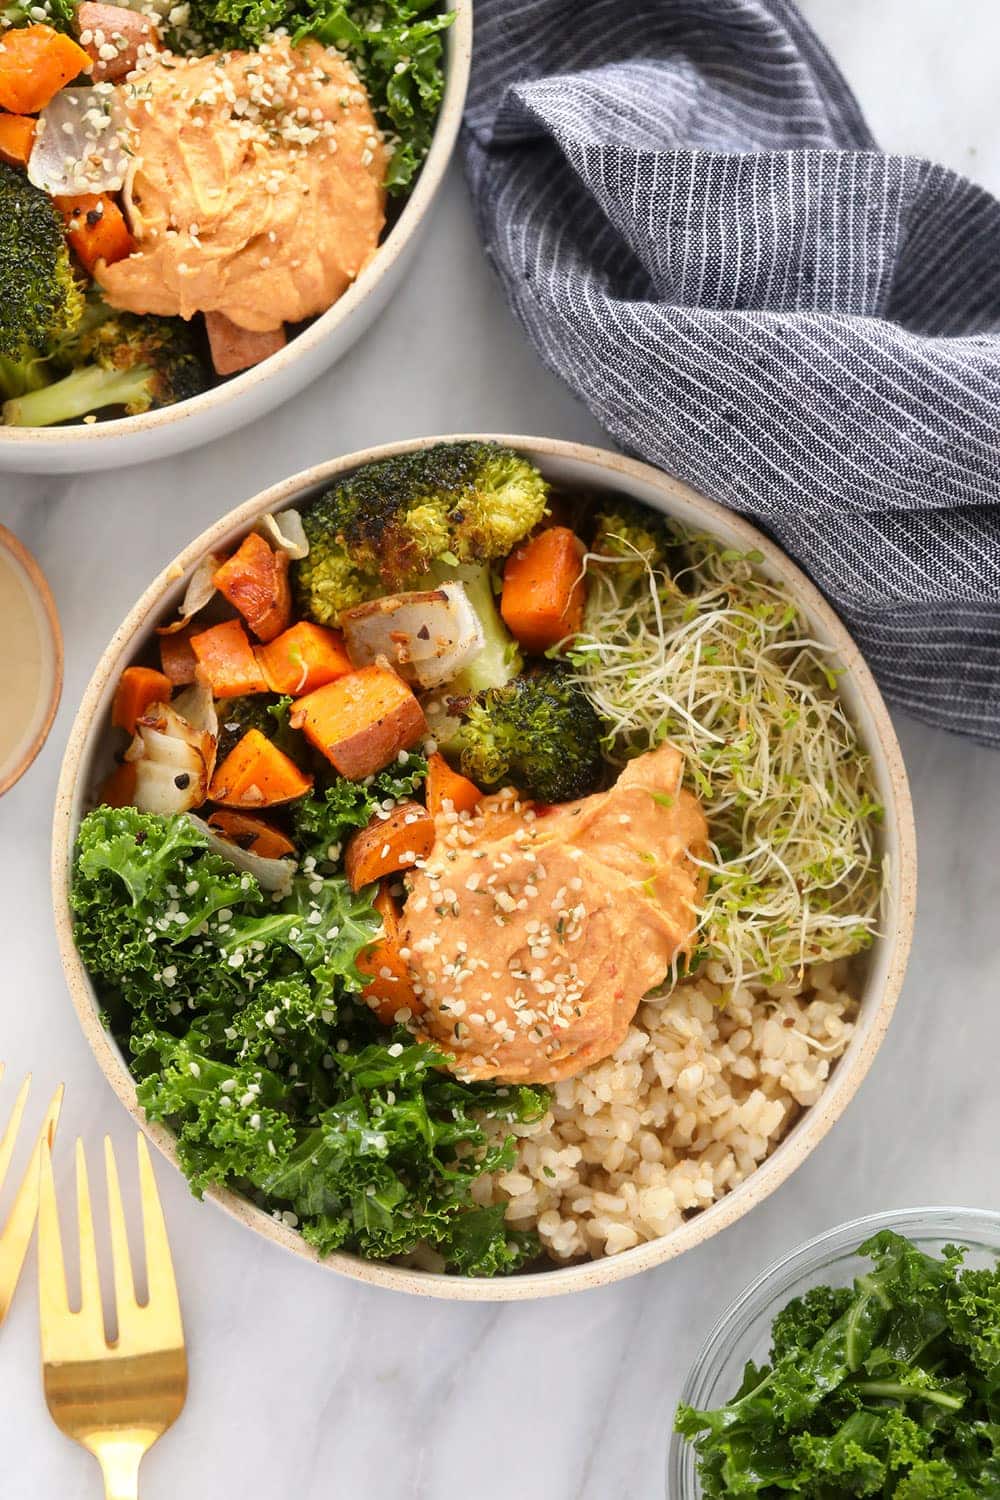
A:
x,y
305,1385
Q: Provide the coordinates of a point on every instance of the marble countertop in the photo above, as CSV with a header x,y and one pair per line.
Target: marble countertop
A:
x,y
304,1384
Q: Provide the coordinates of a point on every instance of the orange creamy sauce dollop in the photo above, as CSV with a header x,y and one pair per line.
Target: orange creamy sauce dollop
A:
x,y
532,939
255,187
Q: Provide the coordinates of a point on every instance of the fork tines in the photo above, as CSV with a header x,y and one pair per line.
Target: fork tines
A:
x,y
114,1397
16,1232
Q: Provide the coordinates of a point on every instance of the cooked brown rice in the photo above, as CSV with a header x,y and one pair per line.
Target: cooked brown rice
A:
x,y
695,1098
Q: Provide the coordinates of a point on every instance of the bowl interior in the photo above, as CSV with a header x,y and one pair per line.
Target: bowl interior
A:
x,y
591,471
744,1331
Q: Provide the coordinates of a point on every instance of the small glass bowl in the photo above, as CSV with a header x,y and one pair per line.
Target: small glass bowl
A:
x,y
744,1330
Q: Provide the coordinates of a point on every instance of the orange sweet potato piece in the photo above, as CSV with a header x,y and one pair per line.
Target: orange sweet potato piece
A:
x,y
119,788
361,721
445,785
255,774
251,834
544,590
96,229
226,660
255,581
304,658
177,658
390,989
17,136
388,844
35,63
138,687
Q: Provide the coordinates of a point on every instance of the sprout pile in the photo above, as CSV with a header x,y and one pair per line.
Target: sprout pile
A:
x,y
685,641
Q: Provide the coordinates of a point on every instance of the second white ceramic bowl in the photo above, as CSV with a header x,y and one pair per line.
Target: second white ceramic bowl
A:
x,y
234,403
593,471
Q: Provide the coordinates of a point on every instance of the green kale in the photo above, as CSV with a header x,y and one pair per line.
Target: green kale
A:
x,y
890,1388
59,14
803,1322
325,819
248,1041
394,45
268,714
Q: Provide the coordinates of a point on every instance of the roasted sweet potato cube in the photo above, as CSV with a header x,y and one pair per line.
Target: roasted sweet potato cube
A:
x,y
390,842
255,581
390,990
226,660
257,774
362,721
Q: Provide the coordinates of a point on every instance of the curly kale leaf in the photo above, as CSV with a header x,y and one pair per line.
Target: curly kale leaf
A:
x,y
239,1010
973,1315
803,1322
889,1388
324,820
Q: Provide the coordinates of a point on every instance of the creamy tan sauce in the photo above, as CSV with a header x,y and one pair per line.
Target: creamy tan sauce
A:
x,y
531,937
29,663
255,188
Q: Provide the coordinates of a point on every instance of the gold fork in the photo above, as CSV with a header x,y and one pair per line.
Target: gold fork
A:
x,y
115,1398
16,1232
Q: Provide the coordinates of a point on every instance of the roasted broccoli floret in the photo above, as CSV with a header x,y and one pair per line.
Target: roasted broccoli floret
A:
x,y
123,360
627,529
41,301
380,531
537,732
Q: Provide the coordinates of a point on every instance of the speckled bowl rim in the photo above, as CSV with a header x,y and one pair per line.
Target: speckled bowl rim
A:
x,y
608,469
458,65
39,583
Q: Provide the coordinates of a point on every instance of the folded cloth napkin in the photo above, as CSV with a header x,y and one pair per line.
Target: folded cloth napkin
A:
x,y
692,221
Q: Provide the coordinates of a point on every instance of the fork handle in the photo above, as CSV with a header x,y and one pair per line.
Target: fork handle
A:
x,y
120,1466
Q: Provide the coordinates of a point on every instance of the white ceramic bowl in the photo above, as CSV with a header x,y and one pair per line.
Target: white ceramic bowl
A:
x,y
88,758
744,1330
226,407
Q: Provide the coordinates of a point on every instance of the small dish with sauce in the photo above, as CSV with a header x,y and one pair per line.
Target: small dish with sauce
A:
x,y
33,677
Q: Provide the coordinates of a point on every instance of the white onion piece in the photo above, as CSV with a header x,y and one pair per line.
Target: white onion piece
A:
x,y
428,637
77,147
287,534
270,874
197,706
173,762
199,592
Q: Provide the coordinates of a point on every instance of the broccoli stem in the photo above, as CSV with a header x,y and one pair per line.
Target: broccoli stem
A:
x,y
500,659
19,375
79,393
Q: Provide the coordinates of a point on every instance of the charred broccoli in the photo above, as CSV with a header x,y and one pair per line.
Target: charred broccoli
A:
x,y
381,530
537,732
119,360
41,301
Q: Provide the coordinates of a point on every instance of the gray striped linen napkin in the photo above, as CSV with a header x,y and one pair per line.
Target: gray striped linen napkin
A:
x,y
691,220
